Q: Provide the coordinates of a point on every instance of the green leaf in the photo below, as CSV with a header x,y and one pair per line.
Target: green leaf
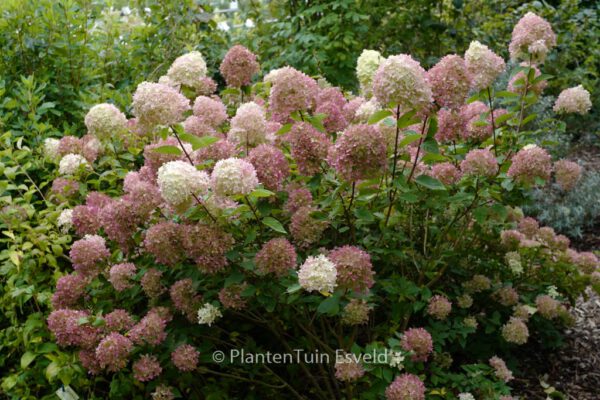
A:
x,y
27,358
52,370
284,129
168,150
198,142
407,120
430,183
330,305
316,123
274,224
433,127
258,193
409,139
294,288
378,116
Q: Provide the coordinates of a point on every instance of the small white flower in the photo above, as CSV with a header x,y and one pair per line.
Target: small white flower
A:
x,y
465,396
207,314
396,359
51,149
552,292
188,69
71,163
65,220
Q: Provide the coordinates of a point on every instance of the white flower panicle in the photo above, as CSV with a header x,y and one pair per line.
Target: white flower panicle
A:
x,y
318,274
208,314
178,181
70,164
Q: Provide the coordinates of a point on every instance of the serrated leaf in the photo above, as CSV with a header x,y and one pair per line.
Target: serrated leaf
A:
x,y
168,150
430,183
378,116
274,224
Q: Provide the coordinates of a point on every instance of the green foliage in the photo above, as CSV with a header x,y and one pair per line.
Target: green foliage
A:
x,y
83,52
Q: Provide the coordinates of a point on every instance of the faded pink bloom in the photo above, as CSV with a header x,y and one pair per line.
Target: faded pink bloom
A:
x,y
277,256
185,298
88,254
450,82
567,174
419,342
401,80
530,163
573,100
210,110
292,91
479,162
531,36
238,66
483,65
185,357
446,172
146,368
439,307
120,276
271,166
113,352
359,153
406,387
354,268
69,289
501,371
309,147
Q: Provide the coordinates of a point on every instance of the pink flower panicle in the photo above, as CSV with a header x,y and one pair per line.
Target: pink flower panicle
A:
x,y
211,111
529,163
419,342
150,330
146,368
163,241
271,166
406,387
238,66
500,369
185,357
113,352
69,289
439,307
277,256
450,82
359,153
185,298
567,174
120,276
401,80
479,162
292,91
532,35
87,255
309,147
354,268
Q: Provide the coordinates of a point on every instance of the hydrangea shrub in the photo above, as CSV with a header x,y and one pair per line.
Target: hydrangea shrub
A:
x,y
286,214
